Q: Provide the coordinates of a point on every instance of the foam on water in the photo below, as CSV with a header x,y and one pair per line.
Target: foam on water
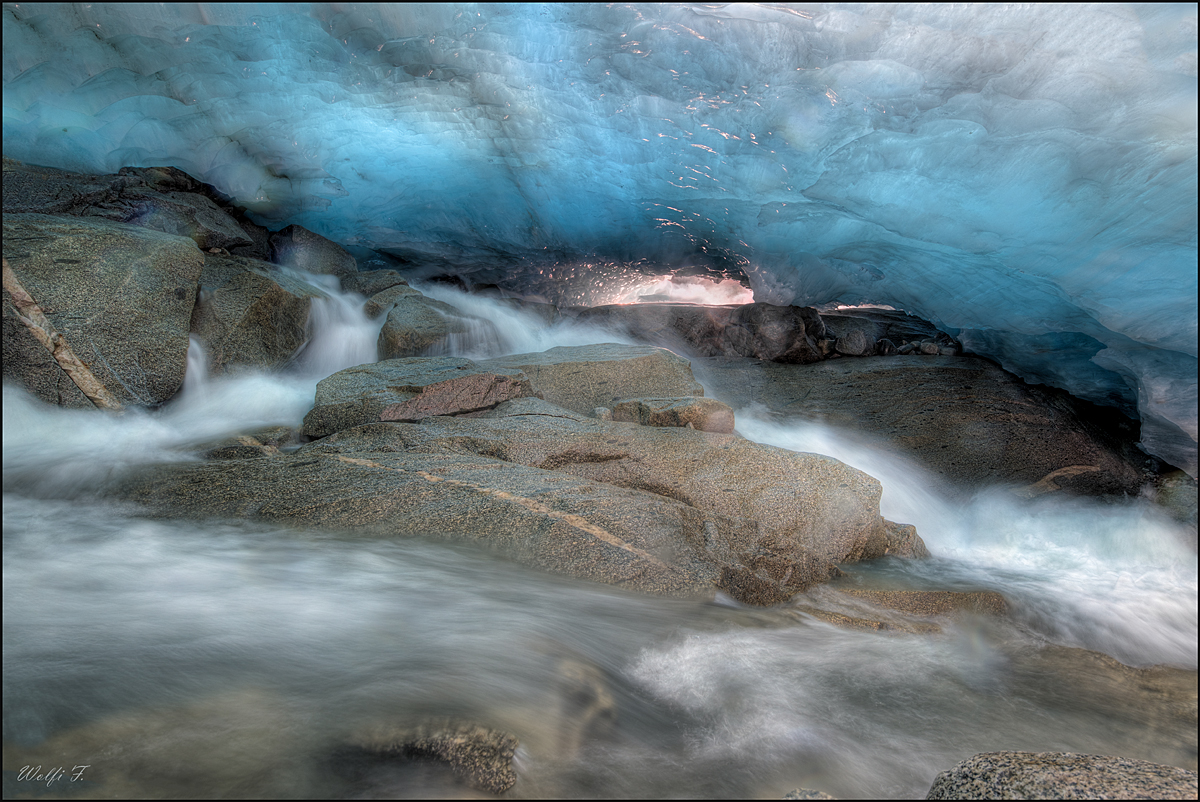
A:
x,y
1113,577
59,450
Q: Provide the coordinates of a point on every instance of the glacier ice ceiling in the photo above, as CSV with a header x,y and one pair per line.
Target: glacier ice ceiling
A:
x,y
1023,176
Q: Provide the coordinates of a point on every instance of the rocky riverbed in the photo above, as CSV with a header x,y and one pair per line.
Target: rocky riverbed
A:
x,y
408,541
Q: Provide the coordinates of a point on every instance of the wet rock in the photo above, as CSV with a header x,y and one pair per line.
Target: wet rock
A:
x,y
373,282
261,443
544,519
930,349
704,414
481,756
581,378
1061,775
969,422
774,571
250,314
409,389
934,602
118,297
298,248
415,324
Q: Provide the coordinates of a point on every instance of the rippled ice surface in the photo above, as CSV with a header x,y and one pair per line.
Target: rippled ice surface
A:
x,y
234,659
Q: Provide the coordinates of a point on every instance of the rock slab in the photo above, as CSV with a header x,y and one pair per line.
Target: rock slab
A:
x,y
581,378
409,390
1061,775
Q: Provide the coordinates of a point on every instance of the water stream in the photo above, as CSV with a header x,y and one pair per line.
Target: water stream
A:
x,y
189,659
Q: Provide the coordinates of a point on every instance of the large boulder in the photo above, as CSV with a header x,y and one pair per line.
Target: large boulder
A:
x,y
667,511
250,314
582,378
409,389
1061,775
965,419
118,298
300,249
805,500
415,324
160,198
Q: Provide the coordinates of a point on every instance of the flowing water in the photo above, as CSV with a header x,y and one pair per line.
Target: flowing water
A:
x,y
184,659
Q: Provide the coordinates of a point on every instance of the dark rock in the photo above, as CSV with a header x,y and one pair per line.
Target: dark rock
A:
x,y
409,389
250,314
581,378
121,297
966,420
885,347
160,198
298,248
1061,775
930,349
703,414
481,756
762,331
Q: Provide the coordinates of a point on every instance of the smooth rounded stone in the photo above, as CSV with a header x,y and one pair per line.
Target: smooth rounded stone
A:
x,y
934,602
855,343
581,378
409,389
602,413
966,420
792,499
481,756
120,296
703,414
415,324
1061,775
300,249
930,349
250,314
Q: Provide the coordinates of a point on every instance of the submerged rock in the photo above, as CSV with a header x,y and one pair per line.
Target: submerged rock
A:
x,y
481,756
581,378
1061,775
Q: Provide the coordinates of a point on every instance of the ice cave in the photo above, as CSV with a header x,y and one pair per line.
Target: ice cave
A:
x,y
1025,177
599,400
